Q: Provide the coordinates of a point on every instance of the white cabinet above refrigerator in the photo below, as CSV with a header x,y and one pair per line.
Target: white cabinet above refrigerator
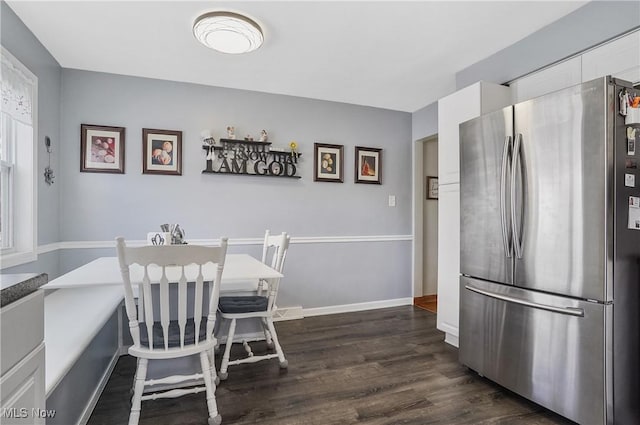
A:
x,y
461,106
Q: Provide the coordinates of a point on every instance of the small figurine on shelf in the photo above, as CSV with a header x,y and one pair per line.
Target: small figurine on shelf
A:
x,y
207,139
263,136
207,142
294,148
248,138
231,133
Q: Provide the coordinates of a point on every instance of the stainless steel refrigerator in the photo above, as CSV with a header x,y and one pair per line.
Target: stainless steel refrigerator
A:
x,y
549,257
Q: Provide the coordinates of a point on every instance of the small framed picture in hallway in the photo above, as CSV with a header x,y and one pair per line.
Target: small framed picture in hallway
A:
x,y
432,187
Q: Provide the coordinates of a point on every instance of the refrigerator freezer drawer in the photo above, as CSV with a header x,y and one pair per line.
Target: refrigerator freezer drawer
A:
x,y
547,348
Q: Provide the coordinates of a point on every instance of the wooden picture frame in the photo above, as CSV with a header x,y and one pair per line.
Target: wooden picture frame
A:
x,y
328,163
101,149
432,187
161,152
368,165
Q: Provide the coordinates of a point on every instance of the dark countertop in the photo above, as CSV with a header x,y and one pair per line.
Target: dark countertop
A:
x,y
15,286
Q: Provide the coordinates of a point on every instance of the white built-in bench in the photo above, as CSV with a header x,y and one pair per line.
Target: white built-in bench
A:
x,y
81,335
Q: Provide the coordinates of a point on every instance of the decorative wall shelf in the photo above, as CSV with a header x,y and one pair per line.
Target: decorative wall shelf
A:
x,y
248,158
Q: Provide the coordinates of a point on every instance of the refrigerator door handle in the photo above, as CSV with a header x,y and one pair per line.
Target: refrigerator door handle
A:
x,y
515,168
506,165
571,311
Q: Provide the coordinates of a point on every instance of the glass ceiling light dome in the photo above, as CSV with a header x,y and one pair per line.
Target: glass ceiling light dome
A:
x,y
228,32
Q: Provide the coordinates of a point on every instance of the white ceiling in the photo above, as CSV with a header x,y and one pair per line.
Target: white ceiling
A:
x,y
387,54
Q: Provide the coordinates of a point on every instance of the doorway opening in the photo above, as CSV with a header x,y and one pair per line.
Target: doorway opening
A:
x,y
426,224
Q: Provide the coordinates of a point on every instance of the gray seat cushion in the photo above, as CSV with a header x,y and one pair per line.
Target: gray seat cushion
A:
x,y
174,333
243,304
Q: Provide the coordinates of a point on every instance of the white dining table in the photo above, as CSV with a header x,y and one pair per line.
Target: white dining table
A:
x,y
106,271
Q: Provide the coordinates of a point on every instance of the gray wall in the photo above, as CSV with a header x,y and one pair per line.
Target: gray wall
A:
x,y
586,27
101,206
424,122
48,263
97,206
89,207
20,42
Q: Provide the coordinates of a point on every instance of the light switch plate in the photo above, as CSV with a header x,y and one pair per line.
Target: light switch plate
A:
x,y
392,201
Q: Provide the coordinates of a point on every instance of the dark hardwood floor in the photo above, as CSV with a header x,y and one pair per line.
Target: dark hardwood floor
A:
x,y
388,366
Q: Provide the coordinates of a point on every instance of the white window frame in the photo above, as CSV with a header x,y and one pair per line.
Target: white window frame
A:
x,y
23,221
7,170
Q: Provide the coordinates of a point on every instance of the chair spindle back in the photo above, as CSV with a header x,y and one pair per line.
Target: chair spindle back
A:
x,y
158,270
274,252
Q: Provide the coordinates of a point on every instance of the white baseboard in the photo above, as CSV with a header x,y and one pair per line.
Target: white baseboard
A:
x,y
451,339
88,410
297,312
288,313
447,328
348,308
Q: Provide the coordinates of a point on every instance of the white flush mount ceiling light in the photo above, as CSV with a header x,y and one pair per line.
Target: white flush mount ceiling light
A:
x,y
228,32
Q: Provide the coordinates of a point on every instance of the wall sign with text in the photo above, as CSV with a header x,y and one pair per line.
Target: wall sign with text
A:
x,y
250,158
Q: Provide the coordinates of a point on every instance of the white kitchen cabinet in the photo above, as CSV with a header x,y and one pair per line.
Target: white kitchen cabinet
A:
x,y
461,106
22,391
564,74
619,58
448,261
22,361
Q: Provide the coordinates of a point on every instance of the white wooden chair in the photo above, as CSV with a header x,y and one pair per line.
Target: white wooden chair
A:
x,y
169,271
260,305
